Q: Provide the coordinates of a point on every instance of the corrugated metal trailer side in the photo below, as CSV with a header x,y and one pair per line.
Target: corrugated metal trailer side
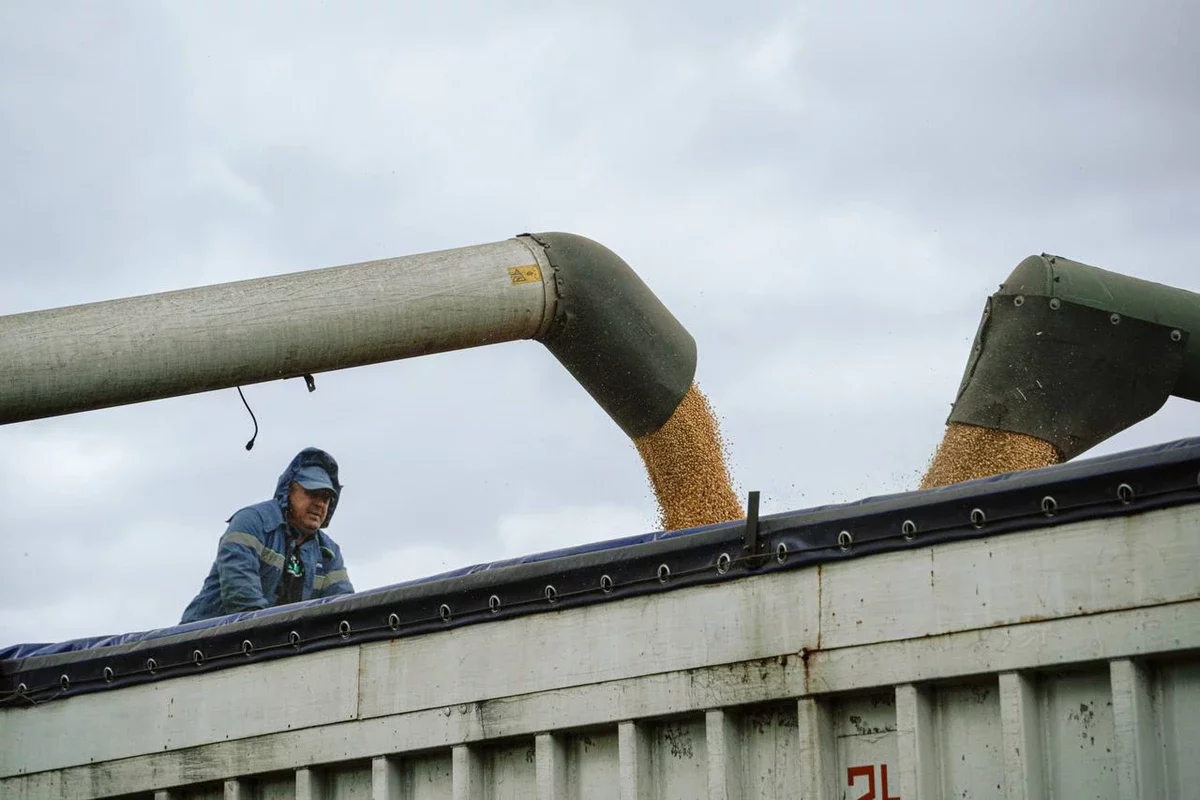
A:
x,y
1052,663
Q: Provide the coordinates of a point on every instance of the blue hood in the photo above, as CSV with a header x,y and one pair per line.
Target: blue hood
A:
x,y
309,456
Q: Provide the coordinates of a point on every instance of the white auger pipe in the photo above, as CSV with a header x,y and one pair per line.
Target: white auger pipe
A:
x,y
573,295
144,348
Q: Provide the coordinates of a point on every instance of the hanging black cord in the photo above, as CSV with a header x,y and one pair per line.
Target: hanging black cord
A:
x,y
249,444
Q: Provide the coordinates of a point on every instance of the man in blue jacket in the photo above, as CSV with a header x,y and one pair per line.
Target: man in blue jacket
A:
x,y
275,552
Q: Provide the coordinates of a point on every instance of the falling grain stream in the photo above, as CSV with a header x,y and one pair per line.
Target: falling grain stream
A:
x,y
685,460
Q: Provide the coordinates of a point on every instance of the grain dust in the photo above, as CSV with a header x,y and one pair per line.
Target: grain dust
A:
x,y
685,460
968,452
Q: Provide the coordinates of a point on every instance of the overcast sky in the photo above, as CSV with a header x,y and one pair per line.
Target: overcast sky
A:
x,y
823,193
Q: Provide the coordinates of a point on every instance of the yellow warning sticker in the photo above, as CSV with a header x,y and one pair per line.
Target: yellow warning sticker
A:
x,y
529,274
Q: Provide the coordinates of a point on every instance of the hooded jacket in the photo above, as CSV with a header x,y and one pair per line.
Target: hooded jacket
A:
x,y
249,565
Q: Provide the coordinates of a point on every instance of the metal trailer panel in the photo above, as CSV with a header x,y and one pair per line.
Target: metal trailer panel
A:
x,y
609,573
785,613
1174,692
1012,681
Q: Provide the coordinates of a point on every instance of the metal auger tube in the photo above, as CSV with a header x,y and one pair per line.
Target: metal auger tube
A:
x,y
577,297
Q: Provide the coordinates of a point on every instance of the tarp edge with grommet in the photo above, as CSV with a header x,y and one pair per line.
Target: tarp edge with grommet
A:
x,y
1124,484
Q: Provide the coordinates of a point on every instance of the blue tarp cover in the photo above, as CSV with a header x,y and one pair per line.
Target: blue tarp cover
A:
x,y
1181,452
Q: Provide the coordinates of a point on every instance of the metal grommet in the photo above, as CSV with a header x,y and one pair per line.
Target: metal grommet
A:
x,y
606,584
64,682
1049,506
22,688
1019,300
978,518
664,573
1055,304
1125,493
1114,318
1176,335
247,648
197,657
551,594
151,666
109,675
909,529
781,552
444,612
344,629
394,621
294,638
845,540
494,603
724,561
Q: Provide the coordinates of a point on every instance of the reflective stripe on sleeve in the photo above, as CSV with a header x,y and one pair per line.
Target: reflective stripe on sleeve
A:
x,y
262,551
337,576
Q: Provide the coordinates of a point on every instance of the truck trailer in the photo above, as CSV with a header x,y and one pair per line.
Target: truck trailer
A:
x,y
1034,634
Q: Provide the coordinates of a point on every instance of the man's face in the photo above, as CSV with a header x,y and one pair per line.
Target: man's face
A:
x,y
307,510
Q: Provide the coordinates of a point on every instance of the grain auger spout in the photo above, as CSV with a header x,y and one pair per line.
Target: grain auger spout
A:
x,y
1066,356
573,295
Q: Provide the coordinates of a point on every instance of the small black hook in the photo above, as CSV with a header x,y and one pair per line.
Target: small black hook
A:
x,y
312,383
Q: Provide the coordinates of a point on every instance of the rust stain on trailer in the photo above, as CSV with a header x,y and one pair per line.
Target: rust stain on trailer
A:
x,y
804,655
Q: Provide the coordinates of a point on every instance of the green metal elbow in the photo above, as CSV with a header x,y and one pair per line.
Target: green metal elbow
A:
x,y
614,336
1073,354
